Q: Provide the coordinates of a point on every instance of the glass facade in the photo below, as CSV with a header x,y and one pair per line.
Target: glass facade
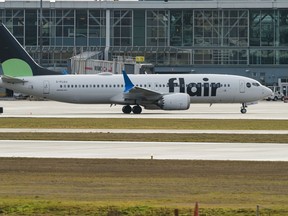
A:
x,y
121,28
157,28
96,28
166,37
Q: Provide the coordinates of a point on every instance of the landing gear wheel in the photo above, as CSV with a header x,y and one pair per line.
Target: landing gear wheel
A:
x,y
137,109
126,109
243,108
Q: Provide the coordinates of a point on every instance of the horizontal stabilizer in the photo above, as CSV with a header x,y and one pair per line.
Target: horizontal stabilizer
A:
x,y
9,79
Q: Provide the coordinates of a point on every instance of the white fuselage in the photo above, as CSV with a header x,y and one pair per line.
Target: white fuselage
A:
x,y
108,89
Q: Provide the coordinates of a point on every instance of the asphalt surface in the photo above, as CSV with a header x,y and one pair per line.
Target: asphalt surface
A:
x,y
262,110
143,150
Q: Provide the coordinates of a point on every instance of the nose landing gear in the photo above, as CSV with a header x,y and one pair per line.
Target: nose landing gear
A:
x,y
243,108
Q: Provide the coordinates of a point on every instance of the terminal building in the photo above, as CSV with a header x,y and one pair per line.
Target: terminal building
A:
x,y
243,37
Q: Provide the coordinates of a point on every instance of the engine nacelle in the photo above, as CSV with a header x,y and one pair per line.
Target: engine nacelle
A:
x,y
176,101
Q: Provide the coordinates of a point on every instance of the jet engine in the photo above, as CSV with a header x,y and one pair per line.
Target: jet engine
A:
x,y
176,101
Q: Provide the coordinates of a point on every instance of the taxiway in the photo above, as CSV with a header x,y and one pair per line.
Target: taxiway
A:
x,y
25,108
145,150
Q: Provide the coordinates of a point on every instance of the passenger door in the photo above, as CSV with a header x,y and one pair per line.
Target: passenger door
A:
x,y
242,86
46,87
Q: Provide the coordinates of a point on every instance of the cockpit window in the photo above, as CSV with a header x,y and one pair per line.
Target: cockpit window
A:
x,y
248,85
255,84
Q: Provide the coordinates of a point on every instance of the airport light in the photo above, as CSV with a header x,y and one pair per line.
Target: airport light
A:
x,y
41,32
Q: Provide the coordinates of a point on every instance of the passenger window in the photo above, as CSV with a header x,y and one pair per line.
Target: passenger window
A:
x,y
248,85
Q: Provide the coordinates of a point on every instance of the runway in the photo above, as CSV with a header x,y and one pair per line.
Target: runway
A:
x,y
144,150
49,109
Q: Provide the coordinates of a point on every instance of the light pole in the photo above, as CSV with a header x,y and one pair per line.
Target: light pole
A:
x,y
41,33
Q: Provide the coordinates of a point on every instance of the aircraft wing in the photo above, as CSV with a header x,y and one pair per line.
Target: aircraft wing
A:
x,y
136,93
142,94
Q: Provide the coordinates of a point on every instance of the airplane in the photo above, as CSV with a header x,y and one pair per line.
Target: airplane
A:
x,y
21,73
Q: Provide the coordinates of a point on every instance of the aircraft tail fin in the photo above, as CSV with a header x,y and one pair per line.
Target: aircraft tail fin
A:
x,y
14,59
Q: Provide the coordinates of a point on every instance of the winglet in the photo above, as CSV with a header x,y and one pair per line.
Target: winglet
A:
x,y
128,84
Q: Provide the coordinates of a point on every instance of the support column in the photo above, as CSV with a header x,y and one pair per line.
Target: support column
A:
x,y
107,45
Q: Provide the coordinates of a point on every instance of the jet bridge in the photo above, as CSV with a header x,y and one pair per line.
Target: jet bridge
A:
x,y
86,64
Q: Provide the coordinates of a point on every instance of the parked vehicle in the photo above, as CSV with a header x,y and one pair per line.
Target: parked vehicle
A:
x,y
277,95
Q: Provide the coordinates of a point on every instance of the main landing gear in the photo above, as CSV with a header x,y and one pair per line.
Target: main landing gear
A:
x,y
243,108
127,109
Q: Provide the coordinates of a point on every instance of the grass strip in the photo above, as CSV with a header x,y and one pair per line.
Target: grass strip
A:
x,y
32,186
134,123
149,137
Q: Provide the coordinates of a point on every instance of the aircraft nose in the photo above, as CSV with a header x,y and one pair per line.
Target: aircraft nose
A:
x,y
266,91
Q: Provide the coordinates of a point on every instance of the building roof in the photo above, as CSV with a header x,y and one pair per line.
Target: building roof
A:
x,y
146,4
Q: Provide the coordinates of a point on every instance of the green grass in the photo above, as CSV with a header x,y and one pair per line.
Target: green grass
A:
x,y
106,123
141,187
149,137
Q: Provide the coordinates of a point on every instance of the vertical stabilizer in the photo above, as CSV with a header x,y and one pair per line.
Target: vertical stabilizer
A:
x,y
15,60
